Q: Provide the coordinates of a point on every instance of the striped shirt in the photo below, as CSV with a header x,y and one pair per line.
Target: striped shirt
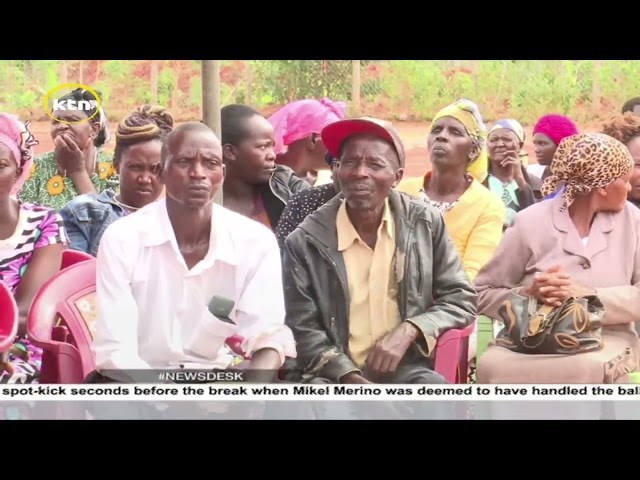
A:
x,y
37,227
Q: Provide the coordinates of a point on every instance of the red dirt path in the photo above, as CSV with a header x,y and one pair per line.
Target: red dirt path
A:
x,y
414,136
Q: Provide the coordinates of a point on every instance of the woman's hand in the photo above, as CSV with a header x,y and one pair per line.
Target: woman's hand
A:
x,y
550,287
512,160
70,155
554,286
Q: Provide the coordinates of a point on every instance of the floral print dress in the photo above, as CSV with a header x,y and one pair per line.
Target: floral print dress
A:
x,y
45,186
37,227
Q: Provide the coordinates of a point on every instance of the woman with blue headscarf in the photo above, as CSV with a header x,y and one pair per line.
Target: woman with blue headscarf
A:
x,y
77,165
507,176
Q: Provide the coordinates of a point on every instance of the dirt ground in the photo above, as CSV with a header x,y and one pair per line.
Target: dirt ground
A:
x,y
414,136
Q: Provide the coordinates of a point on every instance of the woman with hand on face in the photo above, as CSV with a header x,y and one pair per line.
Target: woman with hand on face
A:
x,y
32,240
77,165
508,177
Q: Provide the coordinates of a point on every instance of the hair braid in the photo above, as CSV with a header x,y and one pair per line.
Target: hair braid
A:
x,y
145,123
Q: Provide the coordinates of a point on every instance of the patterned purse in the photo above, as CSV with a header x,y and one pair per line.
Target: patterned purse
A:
x,y
535,328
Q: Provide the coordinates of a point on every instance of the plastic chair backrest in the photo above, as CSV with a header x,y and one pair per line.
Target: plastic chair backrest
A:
x,y
9,318
451,355
485,334
56,324
235,344
71,257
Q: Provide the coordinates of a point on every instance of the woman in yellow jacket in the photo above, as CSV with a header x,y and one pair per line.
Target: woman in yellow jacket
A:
x,y
474,215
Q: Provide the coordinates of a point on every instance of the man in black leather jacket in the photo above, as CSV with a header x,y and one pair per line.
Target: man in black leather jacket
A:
x,y
372,278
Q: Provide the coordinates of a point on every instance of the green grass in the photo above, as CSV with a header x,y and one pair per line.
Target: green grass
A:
x,y
586,90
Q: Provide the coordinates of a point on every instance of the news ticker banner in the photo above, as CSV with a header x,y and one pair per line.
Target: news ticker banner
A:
x,y
299,392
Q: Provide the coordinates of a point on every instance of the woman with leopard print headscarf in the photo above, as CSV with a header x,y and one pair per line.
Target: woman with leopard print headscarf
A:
x,y
585,241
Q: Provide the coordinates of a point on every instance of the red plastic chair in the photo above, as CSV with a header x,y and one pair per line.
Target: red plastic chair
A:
x,y
235,344
71,257
451,355
8,318
55,324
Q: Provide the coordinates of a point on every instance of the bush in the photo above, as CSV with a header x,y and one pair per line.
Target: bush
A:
x,y
586,90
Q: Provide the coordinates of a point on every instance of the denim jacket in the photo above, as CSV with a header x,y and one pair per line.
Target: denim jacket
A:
x,y
86,218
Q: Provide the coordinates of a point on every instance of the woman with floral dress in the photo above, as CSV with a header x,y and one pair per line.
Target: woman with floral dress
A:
x,y
77,165
32,240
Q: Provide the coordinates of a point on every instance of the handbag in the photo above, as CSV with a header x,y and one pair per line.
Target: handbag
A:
x,y
533,327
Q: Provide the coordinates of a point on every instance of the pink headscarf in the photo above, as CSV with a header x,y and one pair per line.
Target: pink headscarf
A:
x,y
16,137
556,127
298,120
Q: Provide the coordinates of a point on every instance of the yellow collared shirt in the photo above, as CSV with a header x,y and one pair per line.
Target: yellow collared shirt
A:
x,y
373,311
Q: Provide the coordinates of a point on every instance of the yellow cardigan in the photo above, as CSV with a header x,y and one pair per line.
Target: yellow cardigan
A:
x,y
474,223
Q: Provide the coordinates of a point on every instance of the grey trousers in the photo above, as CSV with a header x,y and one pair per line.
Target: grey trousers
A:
x,y
413,371
414,368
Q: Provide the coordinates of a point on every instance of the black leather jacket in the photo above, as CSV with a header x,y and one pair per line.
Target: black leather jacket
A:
x,y
275,194
434,292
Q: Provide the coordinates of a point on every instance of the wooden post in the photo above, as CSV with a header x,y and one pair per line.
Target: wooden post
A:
x,y
248,79
211,100
211,94
64,73
154,81
355,86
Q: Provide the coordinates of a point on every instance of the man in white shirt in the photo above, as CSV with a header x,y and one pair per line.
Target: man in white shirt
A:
x,y
159,268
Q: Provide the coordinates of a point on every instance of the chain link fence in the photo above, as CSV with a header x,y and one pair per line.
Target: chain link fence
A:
x,y
587,90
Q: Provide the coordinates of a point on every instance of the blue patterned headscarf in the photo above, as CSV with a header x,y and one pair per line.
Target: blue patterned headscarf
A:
x,y
509,124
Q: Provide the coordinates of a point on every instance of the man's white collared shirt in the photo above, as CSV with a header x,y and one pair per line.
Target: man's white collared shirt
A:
x,y
152,310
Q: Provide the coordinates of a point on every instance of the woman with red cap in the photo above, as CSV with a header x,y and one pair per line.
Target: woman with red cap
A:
x,y
547,135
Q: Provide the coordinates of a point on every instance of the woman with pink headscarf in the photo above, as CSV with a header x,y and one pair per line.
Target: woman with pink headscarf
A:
x,y
32,240
297,128
547,135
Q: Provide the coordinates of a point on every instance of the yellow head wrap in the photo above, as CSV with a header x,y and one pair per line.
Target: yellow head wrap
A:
x,y
468,113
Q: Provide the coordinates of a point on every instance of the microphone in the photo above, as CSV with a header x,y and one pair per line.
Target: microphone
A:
x,y
221,307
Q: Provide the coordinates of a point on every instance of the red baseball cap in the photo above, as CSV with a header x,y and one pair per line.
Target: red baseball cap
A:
x,y
335,134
